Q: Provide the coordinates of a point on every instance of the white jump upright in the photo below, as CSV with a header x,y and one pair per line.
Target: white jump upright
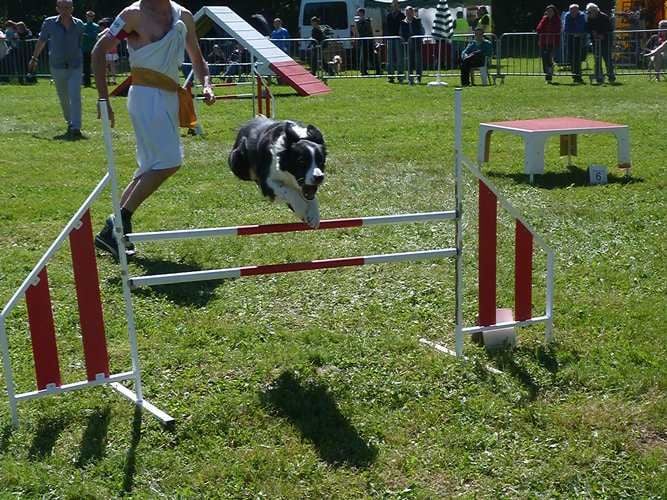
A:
x,y
490,322
35,290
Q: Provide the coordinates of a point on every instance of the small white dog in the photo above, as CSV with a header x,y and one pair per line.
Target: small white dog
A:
x,y
335,65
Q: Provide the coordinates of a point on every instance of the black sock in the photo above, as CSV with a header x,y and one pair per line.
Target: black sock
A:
x,y
126,218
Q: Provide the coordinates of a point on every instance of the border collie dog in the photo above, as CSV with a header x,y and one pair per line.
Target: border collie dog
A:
x,y
286,160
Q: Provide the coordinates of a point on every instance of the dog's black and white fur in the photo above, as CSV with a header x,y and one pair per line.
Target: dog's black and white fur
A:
x,y
286,159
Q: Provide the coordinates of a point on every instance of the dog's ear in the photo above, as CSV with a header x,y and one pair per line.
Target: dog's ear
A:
x,y
291,135
315,135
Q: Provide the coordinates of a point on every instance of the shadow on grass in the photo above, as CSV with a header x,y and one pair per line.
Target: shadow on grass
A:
x,y
546,357
94,438
506,361
130,467
48,431
315,413
197,294
65,137
575,176
5,435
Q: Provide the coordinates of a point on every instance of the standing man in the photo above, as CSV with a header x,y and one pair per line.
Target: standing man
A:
x,y
90,32
363,29
574,28
598,26
317,36
412,26
157,32
394,46
63,33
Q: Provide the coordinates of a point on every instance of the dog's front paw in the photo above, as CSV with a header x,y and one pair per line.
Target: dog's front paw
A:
x,y
312,215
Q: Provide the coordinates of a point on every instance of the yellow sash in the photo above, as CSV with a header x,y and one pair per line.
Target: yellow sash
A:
x,y
150,78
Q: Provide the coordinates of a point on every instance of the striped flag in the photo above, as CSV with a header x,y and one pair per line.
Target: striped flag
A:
x,y
443,24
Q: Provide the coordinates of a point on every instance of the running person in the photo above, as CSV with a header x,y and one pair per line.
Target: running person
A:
x,y
157,32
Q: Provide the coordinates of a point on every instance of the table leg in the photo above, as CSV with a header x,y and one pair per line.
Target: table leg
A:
x,y
534,156
568,146
623,141
483,145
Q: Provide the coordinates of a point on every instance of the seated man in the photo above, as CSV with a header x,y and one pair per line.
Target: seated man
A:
x,y
474,55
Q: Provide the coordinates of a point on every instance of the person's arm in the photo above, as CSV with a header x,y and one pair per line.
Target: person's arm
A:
x,y
124,24
198,63
39,46
541,25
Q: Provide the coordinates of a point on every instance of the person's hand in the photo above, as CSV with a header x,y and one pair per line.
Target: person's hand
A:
x,y
109,111
209,96
32,65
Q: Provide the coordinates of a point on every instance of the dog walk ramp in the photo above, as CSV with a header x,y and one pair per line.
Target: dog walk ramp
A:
x,y
261,48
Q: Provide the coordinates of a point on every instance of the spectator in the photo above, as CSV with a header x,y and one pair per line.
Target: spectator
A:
x,y
234,68
318,37
90,32
10,34
394,46
483,19
63,34
656,48
10,64
549,29
598,25
22,32
635,18
461,25
22,51
279,35
411,27
474,55
3,45
259,22
215,58
575,30
363,29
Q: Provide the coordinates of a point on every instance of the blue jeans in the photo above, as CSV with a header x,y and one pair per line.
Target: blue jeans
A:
x,y
68,86
395,58
414,59
602,51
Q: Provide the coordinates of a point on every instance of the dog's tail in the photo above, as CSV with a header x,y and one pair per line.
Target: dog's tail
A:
x,y
238,161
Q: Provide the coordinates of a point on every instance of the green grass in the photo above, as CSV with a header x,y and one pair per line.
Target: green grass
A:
x,y
314,385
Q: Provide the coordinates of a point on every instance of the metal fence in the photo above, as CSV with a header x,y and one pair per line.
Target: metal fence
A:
x,y
520,54
514,54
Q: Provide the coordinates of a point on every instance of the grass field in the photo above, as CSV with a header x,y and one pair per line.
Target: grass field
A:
x,y
314,385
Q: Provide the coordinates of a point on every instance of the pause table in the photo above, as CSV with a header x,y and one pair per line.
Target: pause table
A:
x,y
536,132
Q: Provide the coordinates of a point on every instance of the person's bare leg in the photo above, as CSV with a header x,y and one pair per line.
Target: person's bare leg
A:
x,y
128,190
142,187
